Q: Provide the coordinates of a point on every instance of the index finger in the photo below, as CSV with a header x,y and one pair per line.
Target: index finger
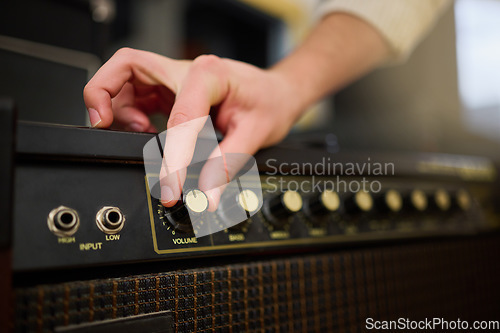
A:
x,y
205,85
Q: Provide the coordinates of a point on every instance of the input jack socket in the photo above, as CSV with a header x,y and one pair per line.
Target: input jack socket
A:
x,y
110,220
63,221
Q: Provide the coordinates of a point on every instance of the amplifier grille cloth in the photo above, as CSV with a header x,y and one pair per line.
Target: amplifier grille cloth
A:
x,y
314,293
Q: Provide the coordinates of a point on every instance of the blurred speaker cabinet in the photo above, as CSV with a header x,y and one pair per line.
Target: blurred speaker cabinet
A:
x,y
328,292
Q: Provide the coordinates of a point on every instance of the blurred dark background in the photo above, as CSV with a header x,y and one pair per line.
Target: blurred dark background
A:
x,y
445,98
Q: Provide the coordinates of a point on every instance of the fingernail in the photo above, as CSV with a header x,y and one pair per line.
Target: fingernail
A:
x,y
94,116
136,127
166,194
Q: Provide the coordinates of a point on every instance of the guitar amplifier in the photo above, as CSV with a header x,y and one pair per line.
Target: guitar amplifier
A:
x,y
340,239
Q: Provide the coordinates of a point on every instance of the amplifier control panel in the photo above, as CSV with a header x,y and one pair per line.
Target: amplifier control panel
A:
x,y
298,216
81,198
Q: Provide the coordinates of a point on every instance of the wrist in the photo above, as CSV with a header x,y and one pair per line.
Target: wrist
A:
x,y
339,50
296,100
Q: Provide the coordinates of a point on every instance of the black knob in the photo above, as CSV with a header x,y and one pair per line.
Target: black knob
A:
x,y
322,204
237,206
192,205
439,200
389,202
415,201
280,207
461,200
359,202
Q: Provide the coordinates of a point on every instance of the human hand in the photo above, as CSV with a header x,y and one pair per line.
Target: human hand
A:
x,y
255,108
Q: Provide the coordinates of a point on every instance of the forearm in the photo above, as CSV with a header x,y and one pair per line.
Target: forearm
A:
x,y
339,50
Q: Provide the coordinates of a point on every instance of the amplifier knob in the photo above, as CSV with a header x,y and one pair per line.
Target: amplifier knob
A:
x,y
323,204
416,200
440,201
360,202
461,200
279,208
389,202
246,201
193,204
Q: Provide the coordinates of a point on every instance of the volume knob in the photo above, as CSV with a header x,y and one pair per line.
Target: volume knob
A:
x,y
192,205
279,208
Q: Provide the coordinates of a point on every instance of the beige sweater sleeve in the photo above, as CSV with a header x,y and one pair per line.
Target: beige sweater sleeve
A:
x,y
403,23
